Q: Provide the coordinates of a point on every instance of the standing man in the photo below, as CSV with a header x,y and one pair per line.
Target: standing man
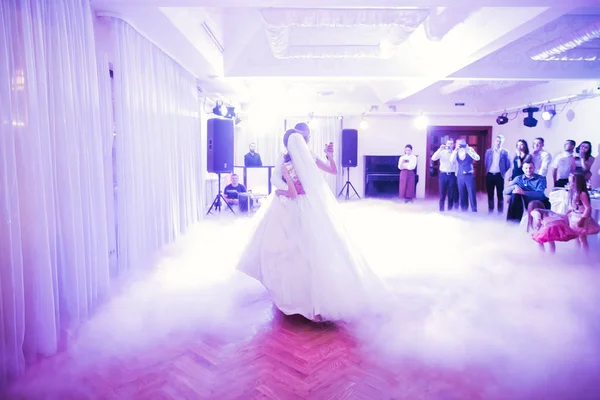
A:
x,y
540,157
447,176
464,156
252,158
496,165
563,165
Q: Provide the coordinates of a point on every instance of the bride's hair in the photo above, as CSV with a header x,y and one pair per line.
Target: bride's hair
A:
x,y
286,137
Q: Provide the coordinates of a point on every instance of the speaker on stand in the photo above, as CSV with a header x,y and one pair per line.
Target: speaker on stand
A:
x,y
219,155
349,159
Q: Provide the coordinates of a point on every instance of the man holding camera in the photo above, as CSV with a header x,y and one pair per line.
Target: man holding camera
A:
x,y
447,176
464,156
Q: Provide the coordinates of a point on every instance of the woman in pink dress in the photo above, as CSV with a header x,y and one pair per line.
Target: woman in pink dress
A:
x,y
548,226
580,210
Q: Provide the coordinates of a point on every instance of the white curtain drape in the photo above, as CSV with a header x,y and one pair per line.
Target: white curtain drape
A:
x,y
158,147
105,84
322,131
53,229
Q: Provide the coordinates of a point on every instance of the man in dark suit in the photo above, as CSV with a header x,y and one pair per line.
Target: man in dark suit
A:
x,y
252,158
496,166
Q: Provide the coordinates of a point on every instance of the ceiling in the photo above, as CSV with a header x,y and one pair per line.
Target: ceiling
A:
x,y
353,56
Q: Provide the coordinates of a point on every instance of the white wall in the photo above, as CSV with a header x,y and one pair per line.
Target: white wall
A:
x,y
387,135
584,126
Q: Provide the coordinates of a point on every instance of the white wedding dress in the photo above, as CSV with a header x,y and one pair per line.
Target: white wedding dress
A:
x,y
301,252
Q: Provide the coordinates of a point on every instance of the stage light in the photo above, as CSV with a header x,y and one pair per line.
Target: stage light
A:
x,y
219,109
549,113
230,112
529,121
421,122
502,119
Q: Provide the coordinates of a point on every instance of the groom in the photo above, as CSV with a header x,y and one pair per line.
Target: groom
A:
x,y
277,176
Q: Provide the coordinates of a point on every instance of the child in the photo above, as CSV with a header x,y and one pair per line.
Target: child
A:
x,y
580,211
548,226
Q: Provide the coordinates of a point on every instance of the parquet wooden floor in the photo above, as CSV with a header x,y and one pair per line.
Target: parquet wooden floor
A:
x,y
287,358
266,355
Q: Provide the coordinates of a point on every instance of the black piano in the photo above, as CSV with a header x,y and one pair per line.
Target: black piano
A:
x,y
382,176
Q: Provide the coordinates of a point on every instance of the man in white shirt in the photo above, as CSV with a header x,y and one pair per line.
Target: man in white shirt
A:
x,y
563,165
496,165
447,175
541,158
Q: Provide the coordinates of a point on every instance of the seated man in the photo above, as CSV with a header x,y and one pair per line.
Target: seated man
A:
x,y
523,189
232,191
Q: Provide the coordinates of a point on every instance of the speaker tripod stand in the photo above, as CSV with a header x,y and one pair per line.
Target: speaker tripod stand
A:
x,y
217,201
347,186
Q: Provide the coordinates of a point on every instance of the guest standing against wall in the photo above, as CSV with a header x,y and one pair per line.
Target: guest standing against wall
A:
x,y
464,155
563,164
584,160
540,157
447,178
522,156
252,158
407,165
496,166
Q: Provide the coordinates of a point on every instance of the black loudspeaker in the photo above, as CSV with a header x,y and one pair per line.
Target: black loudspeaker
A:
x,y
219,158
349,148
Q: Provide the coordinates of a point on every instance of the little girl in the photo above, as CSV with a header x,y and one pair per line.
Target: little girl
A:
x,y
548,226
580,211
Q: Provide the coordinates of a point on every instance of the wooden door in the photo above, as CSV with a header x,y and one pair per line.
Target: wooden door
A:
x,y
478,137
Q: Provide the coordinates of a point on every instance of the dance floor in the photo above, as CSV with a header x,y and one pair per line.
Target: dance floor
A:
x,y
480,314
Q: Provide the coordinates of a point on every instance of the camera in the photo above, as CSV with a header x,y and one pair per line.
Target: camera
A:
x,y
462,145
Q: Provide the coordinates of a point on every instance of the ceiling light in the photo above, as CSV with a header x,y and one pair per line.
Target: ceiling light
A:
x,y
219,109
230,112
529,121
549,113
421,122
363,124
502,119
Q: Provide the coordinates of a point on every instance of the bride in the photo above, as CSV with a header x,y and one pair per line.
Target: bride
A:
x,y
300,250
